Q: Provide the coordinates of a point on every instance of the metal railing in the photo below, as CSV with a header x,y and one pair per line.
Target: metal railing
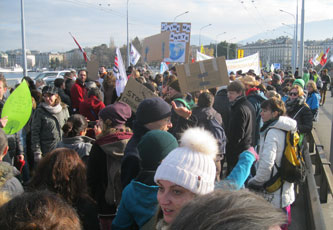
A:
x,y
319,181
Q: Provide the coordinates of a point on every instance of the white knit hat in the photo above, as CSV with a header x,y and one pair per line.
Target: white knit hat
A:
x,y
192,164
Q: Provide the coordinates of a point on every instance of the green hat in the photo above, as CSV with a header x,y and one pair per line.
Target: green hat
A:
x,y
299,82
154,146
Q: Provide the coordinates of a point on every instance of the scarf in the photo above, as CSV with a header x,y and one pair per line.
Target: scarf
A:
x,y
268,123
52,109
249,91
294,104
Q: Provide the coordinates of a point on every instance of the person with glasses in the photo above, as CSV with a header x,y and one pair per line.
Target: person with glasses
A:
x,y
298,109
47,121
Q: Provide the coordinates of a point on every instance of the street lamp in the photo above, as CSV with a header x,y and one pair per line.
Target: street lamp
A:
x,y
294,52
180,15
217,42
200,33
128,49
228,46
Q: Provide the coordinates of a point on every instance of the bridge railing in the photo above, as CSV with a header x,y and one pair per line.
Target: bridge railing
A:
x,y
319,181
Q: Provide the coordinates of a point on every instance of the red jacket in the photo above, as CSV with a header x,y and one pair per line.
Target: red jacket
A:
x,y
78,94
90,108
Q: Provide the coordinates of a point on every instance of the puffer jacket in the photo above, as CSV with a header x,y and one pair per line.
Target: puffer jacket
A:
x,y
271,150
46,129
8,182
300,111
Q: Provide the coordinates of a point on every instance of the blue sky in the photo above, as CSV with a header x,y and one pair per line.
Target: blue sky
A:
x,y
94,22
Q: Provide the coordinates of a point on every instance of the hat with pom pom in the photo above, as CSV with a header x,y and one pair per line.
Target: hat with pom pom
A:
x,y
191,165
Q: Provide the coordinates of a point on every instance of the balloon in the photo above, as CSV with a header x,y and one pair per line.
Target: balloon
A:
x,y
17,108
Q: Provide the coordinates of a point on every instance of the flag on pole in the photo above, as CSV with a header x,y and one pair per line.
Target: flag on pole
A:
x,y
315,60
331,58
120,73
81,49
324,57
310,61
318,59
202,49
135,55
164,67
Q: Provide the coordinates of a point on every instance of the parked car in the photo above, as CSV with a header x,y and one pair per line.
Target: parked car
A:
x,y
50,76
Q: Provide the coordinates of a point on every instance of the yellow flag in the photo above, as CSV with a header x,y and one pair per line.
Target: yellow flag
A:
x,y
319,57
202,49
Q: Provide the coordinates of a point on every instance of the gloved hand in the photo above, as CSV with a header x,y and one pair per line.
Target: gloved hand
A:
x,y
254,153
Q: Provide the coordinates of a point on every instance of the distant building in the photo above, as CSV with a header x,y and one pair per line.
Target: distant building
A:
x,y
43,59
3,60
280,50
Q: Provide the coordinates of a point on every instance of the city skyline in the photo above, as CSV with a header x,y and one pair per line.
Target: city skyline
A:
x,y
95,22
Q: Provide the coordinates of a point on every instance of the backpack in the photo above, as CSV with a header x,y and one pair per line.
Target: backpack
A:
x,y
319,83
292,168
217,130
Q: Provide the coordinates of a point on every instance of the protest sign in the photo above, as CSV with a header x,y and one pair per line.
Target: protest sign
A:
x,y
202,75
156,47
179,41
17,108
245,64
92,68
134,93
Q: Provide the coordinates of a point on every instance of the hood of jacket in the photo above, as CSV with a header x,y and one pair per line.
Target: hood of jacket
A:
x,y
94,102
285,123
7,172
114,143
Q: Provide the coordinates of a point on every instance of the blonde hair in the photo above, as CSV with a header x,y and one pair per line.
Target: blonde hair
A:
x,y
313,85
299,90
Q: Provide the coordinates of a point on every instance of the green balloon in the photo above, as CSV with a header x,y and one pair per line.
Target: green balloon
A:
x,y
17,108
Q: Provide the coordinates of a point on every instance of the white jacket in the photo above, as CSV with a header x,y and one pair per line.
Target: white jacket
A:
x,y
271,150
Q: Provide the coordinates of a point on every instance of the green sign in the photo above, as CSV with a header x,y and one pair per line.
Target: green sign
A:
x,y
17,108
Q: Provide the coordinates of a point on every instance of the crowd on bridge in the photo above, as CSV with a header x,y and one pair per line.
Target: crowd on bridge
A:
x,y
182,160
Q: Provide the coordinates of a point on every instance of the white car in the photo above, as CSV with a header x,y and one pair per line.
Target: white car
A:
x,y
50,76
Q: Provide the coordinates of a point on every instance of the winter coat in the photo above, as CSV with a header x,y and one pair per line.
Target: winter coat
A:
x,y
81,144
87,211
46,129
78,94
313,100
326,81
300,111
222,106
64,97
130,166
90,108
138,205
272,141
110,94
256,98
8,182
241,131
97,167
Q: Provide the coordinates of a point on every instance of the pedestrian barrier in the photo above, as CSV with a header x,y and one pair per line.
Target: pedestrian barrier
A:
x,y
319,181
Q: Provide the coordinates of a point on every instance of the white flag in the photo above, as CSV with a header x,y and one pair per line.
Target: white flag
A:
x,y
315,61
164,67
120,73
135,56
331,58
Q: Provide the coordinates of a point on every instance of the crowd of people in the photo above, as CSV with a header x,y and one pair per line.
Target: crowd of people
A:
x,y
183,160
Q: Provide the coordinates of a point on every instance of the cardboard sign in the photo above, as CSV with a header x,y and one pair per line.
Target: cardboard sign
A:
x,y
202,75
92,68
179,41
134,93
156,47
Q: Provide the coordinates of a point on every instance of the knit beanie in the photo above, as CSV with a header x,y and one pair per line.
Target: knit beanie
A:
x,y
50,89
299,82
118,113
191,165
175,85
154,146
152,109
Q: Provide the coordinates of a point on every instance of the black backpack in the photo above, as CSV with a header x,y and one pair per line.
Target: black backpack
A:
x,y
217,130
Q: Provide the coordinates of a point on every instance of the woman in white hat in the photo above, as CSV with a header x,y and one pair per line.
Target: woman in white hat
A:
x,y
186,172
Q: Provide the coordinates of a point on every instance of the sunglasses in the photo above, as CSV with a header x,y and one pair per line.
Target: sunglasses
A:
x,y
293,94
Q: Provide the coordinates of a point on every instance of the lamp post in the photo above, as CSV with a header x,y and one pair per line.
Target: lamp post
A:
x,y
228,46
180,15
217,42
301,48
128,49
24,55
294,49
200,33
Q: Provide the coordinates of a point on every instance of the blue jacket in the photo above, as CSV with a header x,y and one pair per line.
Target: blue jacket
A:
x,y
137,206
313,100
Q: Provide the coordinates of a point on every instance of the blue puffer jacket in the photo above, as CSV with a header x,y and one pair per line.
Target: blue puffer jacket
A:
x,y
137,206
313,100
